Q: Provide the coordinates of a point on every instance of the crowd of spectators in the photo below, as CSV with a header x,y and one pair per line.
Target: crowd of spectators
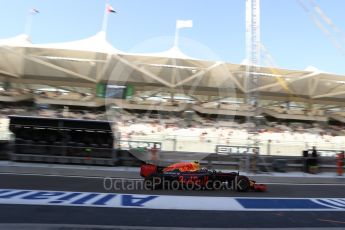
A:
x,y
64,112
236,131
222,130
199,129
297,111
58,95
13,92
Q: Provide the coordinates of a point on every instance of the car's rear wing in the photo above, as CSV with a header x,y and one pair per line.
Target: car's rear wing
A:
x,y
148,169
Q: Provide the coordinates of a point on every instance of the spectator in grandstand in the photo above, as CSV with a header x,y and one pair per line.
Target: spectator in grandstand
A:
x,y
314,161
305,160
314,152
254,160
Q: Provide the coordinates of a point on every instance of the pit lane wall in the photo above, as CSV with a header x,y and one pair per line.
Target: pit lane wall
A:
x,y
208,144
145,201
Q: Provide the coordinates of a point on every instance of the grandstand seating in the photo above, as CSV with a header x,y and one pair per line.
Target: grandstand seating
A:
x,y
47,113
14,95
227,106
137,103
316,112
297,111
73,96
210,105
222,108
341,113
281,112
204,133
69,98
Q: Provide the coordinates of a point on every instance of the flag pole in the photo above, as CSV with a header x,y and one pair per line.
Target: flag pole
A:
x,y
105,18
28,24
176,40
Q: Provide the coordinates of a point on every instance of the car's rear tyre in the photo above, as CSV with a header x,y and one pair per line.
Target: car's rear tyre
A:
x,y
174,185
188,186
217,185
153,182
243,184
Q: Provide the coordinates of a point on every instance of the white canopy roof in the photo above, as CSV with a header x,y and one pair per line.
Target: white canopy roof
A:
x,y
96,43
10,63
173,52
94,59
19,40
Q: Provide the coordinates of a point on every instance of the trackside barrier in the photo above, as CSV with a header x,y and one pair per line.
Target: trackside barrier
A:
x,y
136,152
233,162
216,161
4,150
292,163
239,161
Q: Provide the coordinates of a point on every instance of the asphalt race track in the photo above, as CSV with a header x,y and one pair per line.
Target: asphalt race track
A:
x,y
88,184
102,217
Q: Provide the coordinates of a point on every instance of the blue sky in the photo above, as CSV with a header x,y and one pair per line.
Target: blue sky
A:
x,y
287,32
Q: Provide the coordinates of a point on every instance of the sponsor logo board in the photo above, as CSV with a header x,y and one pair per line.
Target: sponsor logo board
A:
x,y
115,200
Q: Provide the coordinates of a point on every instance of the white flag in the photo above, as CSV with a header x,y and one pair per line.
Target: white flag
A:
x,y
184,24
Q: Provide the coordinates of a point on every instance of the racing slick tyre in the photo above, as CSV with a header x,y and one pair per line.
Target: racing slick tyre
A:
x,y
242,184
153,182
217,185
213,185
174,185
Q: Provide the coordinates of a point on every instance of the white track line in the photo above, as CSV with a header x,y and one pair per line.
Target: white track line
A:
x,y
39,226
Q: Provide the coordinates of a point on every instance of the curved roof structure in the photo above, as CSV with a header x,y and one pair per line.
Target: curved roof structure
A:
x,y
96,43
173,52
19,40
11,64
86,62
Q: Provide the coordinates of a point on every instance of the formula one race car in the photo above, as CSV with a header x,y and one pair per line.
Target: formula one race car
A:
x,y
188,175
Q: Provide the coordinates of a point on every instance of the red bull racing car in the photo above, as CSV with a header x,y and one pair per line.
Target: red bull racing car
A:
x,y
188,175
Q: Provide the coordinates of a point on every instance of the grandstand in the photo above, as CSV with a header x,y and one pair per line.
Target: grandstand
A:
x,y
154,93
